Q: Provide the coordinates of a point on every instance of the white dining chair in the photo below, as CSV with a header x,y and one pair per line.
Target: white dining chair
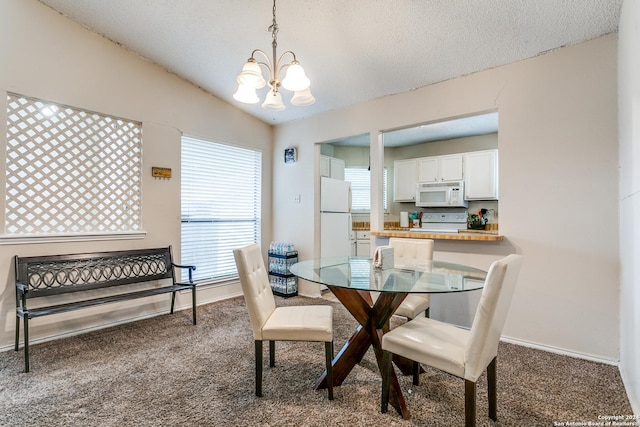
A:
x,y
410,253
463,353
271,323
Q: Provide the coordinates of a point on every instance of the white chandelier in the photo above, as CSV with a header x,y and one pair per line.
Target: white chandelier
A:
x,y
295,80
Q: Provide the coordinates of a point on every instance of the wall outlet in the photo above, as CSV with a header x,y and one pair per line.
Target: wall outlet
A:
x,y
296,198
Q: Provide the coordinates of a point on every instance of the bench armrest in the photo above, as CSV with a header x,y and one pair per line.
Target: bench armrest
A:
x,y
22,287
191,269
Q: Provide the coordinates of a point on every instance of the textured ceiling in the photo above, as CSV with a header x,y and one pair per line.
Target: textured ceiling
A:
x,y
353,51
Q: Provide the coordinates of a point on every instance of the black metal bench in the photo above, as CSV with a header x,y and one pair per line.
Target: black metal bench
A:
x,y
42,276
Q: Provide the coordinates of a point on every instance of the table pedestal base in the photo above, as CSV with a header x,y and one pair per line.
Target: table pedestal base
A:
x,y
374,322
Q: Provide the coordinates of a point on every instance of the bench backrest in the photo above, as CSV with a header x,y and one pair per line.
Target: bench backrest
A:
x,y
58,274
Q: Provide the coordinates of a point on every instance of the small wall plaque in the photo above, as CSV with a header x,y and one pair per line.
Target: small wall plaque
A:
x,y
164,173
290,155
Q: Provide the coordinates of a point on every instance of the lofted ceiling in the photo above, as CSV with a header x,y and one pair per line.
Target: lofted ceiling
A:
x,y
353,51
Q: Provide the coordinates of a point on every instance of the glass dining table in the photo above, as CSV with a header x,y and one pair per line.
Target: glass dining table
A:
x,y
353,279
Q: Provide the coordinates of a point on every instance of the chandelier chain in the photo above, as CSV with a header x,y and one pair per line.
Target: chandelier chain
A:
x,y
273,28
295,80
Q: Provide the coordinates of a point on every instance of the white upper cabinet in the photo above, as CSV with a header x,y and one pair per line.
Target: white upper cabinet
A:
x,y
332,167
404,180
440,168
451,167
481,175
428,170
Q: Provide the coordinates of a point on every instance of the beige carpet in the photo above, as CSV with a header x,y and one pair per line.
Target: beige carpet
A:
x,y
166,372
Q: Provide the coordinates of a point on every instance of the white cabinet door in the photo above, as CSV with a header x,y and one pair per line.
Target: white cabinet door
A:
x,y
363,243
428,169
440,168
404,180
363,248
337,168
481,175
325,166
450,167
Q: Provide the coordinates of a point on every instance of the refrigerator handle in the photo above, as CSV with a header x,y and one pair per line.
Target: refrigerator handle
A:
x,y
349,207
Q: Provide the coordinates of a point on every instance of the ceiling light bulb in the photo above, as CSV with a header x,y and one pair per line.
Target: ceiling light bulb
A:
x,y
246,95
295,79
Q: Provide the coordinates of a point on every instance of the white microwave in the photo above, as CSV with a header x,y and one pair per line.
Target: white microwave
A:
x,y
449,194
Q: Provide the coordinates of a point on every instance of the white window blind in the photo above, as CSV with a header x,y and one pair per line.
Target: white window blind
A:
x,y
221,187
70,171
360,179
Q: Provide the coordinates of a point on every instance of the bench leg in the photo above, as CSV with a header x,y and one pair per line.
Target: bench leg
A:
x,y
193,304
26,343
17,332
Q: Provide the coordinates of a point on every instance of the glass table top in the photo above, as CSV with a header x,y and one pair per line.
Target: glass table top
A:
x,y
408,275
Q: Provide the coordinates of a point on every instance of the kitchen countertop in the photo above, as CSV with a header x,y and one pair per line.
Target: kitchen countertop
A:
x,y
470,235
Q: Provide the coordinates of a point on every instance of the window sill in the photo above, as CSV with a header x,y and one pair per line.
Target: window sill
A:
x,y
27,239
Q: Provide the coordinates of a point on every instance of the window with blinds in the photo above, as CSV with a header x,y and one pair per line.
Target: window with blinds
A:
x,y
221,188
360,179
70,171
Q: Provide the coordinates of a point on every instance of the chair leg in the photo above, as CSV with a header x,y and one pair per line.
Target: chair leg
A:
x,y
492,389
416,373
469,403
426,312
272,354
328,350
173,300
258,345
386,381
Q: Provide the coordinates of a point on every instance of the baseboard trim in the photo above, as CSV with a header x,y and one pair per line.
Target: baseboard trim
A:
x,y
562,351
80,331
75,332
516,341
634,400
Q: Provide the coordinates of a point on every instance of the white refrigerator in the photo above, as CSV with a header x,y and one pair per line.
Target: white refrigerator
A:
x,y
335,217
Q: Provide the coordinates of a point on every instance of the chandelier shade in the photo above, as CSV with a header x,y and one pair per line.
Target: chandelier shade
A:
x,y
273,101
251,75
303,98
246,95
295,79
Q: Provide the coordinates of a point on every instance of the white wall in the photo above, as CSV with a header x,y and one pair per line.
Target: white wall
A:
x,y
47,56
558,185
629,129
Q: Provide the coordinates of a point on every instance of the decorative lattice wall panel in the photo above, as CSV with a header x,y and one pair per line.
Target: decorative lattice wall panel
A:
x,y
70,170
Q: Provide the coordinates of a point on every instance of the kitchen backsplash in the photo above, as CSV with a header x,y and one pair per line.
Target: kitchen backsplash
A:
x,y
392,222
391,225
